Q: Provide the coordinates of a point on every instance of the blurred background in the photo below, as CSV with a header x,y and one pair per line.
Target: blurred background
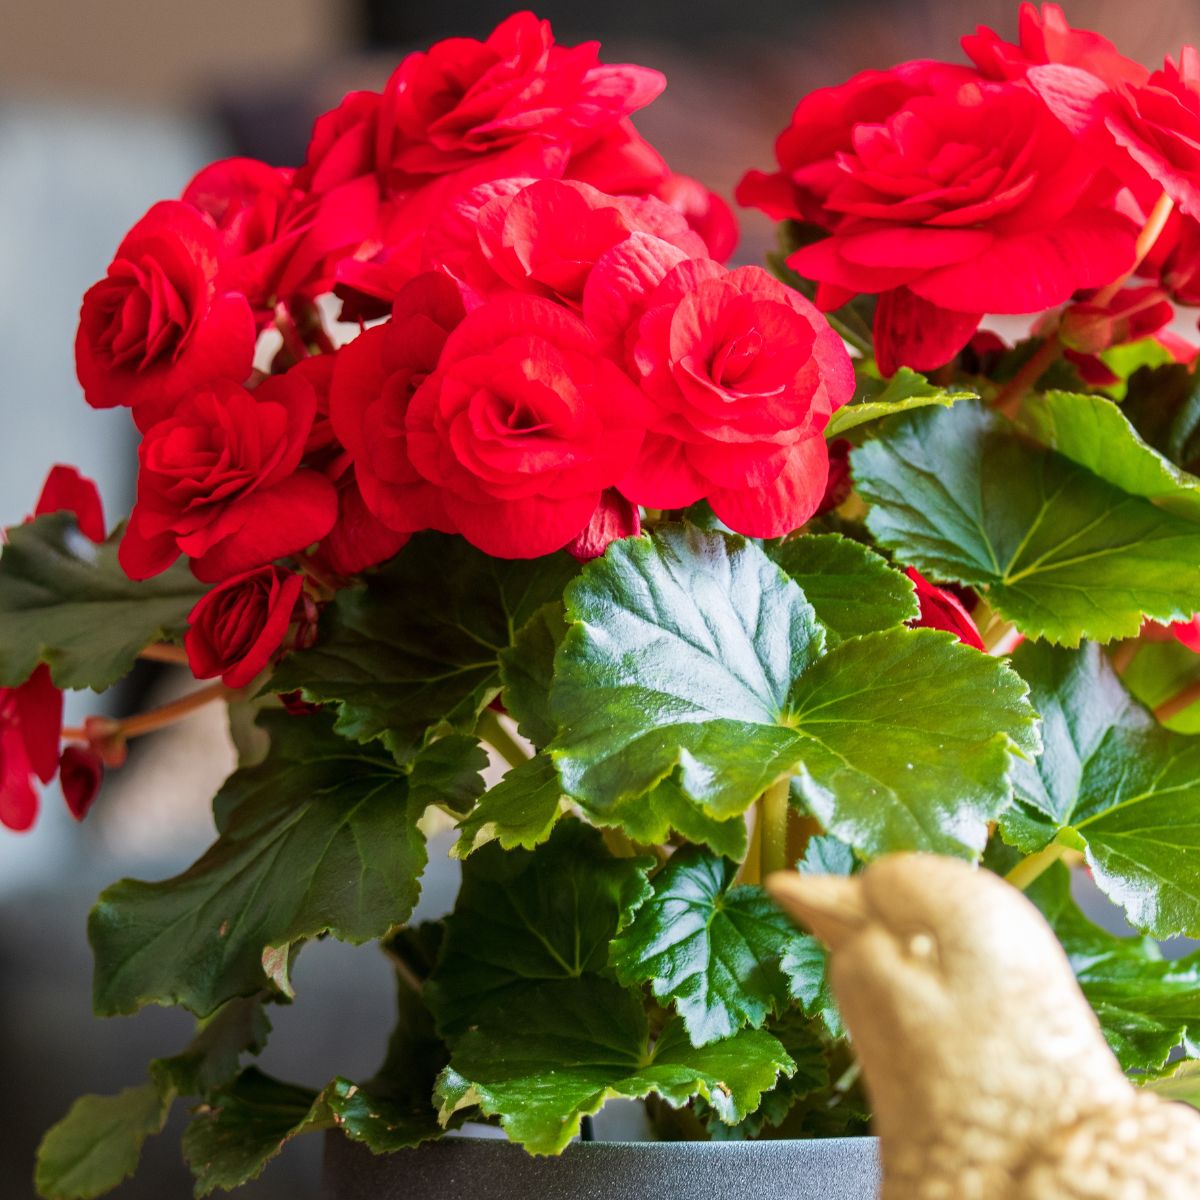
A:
x,y
107,107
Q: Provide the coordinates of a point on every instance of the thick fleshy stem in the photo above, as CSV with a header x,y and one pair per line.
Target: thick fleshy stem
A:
x,y
773,815
491,730
1034,865
159,718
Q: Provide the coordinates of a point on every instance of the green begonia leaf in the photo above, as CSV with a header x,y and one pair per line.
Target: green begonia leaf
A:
x,y
1093,432
690,657
66,601
1060,552
903,392
321,837
715,952
415,649
1114,783
526,670
98,1143
852,589
557,1052
1146,1005
519,811
525,916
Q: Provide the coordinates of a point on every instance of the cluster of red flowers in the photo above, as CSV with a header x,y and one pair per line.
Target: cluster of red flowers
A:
x,y
951,192
563,343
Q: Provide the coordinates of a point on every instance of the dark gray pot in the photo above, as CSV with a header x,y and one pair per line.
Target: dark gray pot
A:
x,y
484,1169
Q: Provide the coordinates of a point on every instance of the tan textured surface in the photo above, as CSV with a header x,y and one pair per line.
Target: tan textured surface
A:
x,y
988,1073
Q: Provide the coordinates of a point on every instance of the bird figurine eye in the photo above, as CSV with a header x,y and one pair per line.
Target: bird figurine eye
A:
x,y
922,945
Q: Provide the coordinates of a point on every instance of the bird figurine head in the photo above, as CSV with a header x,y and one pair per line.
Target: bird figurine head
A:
x,y
972,1033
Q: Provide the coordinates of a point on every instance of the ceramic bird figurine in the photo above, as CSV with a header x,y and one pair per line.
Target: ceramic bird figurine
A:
x,y
986,1068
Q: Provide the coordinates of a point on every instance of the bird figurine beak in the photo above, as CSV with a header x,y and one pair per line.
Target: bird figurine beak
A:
x,y
832,906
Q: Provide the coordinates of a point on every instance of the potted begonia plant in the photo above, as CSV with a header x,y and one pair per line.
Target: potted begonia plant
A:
x,y
460,439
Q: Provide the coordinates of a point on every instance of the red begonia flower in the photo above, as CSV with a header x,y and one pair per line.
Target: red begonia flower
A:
x,y
973,201
157,325
374,379
279,242
221,482
614,518
236,629
30,728
66,489
80,774
545,237
742,373
1045,38
523,425
1159,124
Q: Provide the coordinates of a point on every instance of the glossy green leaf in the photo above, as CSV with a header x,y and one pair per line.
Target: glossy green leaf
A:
x,y
519,811
98,1143
1114,783
556,1053
852,588
652,819
321,837
903,392
1093,432
525,916
66,601
415,649
1061,552
825,855
449,774
1182,1085
691,658
1163,404
527,669
679,658
713,951
1146,1005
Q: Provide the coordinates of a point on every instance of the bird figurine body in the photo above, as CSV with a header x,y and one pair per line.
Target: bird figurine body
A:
x,y
986,1068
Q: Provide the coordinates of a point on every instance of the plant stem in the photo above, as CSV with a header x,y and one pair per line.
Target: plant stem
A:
x,y
164,652
751,870
158,718
1030,867
1182,699
773,816
493,732
1018,387
1156,222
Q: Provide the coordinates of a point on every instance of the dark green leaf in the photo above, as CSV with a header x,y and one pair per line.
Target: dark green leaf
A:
x,y
98,1143
415,649
67,602
1062,553
679,658
558,1051
525,916
853,589
1146,1006
449,774
527,668
907,741
321,837
1163,403
877,398
519,811
650,819
212,1059
715,951
691,657
1093,431
802,1040
1114,783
